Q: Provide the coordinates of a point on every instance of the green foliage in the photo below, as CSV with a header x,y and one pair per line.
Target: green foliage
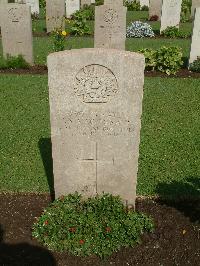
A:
x,y
14,62
174,32
186,10
59,37
42,3
144,8
78,25
99,225
195,66
166,59
86,12
132,6
99,2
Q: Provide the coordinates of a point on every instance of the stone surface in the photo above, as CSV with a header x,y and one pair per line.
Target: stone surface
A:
x,y
110,26
195,4
144,3
55,12
2,2
155,7
195,45
71,7
34,4
85,2
16,31
95,109
171,12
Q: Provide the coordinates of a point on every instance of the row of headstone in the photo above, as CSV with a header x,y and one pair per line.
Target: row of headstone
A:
x,y
34,4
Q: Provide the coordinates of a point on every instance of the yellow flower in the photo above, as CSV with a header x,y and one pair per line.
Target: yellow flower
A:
x,y
64,33
184,232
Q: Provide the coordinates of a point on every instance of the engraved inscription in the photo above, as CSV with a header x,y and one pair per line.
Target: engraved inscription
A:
x,y
97,124
110,16
95,84
173,3
14,14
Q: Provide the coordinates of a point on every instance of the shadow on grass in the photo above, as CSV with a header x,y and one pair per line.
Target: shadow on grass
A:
x,y
23,254
46,154
184,196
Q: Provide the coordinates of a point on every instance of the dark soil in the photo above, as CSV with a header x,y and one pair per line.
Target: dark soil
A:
x,y
41,70
176,240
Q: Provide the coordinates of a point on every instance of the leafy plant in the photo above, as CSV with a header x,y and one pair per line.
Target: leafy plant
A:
x,y
59,37
99,225
14,62
132,6
174,32
195,66
144,8
42,3
139,29
186,10
87,12
78,26
166,59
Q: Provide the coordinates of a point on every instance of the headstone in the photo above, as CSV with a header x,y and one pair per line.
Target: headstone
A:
x,y
16,31
144,3
171,12
34,4
195,4
55,12
95,108
2,3
71,7
155,7
85,2
110,26
195,45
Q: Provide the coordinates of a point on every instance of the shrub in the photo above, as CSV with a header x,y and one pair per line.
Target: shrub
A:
x,y
132,6
99,225
139,29
78,26
166,59
186,10
153,18
145,8
86,12
174,32
42,3
195,66
14,62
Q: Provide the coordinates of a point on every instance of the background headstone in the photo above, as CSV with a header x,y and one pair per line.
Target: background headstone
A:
x,y
110,26
195,4
34,4
55,12
95,109
16,31
85,2
171,12
144,3
195,45
155,7
71,7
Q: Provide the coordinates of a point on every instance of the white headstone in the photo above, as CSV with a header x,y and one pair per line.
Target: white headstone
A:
x,y
155,7
95,108
195,4
16,31
144,3
171,13
110,26
2,2
55,13
195,45
34,4
71,7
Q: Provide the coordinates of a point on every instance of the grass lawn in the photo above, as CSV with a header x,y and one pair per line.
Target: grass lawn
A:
x,y
44,45
169,153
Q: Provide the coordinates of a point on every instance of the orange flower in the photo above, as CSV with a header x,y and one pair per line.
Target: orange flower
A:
x,y
81,241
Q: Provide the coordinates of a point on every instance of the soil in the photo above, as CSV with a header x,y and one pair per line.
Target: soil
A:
x,y
175,241
42,69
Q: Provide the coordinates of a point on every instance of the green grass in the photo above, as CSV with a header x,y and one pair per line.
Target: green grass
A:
x,y
169,153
